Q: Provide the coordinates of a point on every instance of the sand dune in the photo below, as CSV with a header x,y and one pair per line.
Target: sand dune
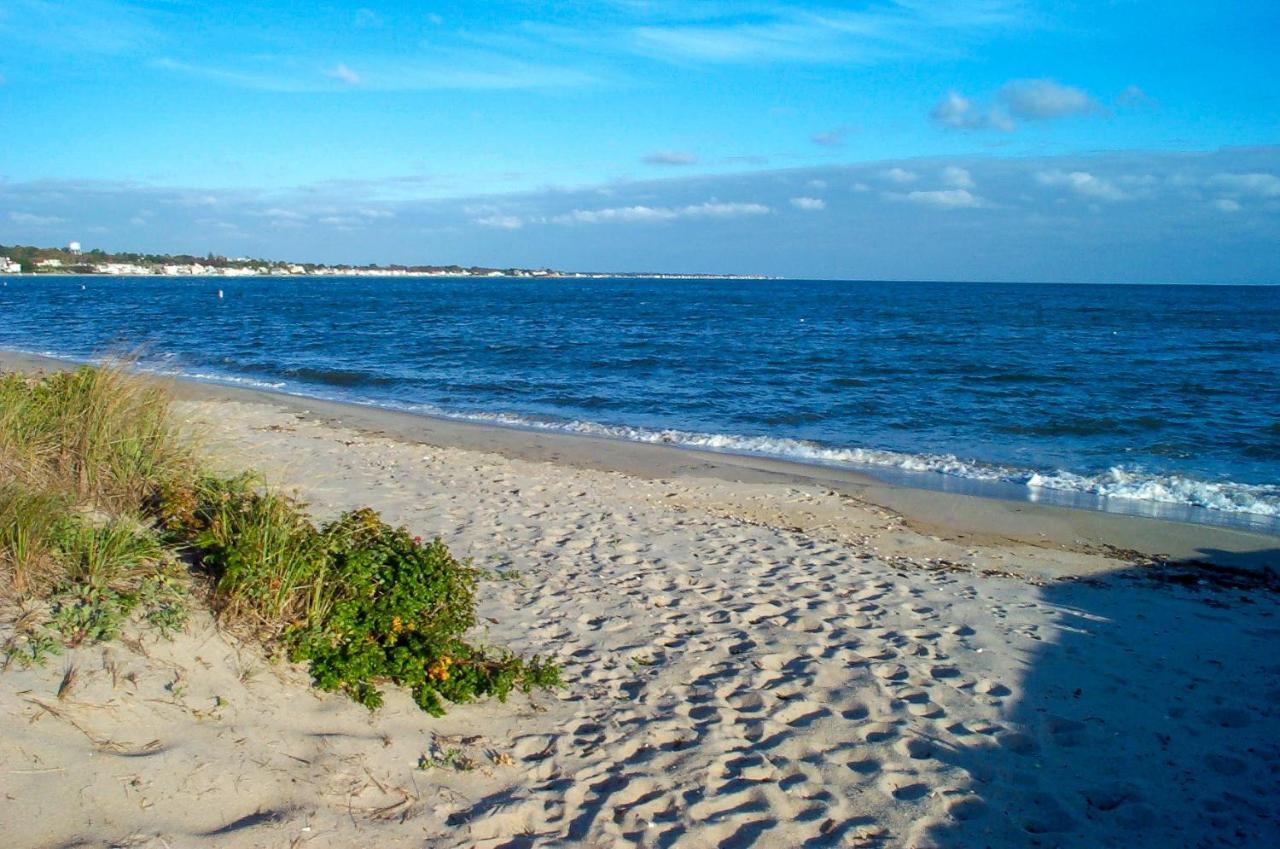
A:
x,y
749,664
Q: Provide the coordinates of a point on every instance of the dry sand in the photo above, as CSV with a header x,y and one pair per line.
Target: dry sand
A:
x,y
754,658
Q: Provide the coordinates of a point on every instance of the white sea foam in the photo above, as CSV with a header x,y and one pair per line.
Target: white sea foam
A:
x,y
228,379
1115,483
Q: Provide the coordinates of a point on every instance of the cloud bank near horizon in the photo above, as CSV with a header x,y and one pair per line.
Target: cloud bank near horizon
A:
x,y
1113,217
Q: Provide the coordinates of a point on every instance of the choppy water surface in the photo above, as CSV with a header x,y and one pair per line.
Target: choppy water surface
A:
x,y
1154,399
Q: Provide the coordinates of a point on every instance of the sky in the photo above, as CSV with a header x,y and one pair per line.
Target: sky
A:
x,y
1118,141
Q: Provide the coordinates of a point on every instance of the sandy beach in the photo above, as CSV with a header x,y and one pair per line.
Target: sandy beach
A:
x,y
757,654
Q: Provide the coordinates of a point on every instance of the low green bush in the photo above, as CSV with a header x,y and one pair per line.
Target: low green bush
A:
x,y
100,501
398,610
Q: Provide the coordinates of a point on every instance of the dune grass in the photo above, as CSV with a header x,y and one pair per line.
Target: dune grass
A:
x,y
106,514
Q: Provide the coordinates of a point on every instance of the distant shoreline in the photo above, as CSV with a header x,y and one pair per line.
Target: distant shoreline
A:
x,y
568,275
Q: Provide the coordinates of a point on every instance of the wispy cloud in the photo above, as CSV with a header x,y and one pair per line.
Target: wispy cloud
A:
x,y
670,157
344,74
1133,97
957,177
502,222
31,219
830,138
759,32
464,71
808,204
640,213
84,27
1258,184
367,19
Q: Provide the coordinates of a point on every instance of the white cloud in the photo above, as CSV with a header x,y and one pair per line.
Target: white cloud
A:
x,y
341,222
942,198
367,19
957,177
1257,185
809,204
960,113
618,213
1084,184
1031,100
671,157
709,209
1045,99
715,209
900,175
344,74
1226,205
1132,97
830,138
32,220
279,214
503,222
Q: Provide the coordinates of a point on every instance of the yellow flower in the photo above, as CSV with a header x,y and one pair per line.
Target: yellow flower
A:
x,y
439,671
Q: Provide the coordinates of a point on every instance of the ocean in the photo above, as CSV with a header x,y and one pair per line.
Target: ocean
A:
x,y
1157,400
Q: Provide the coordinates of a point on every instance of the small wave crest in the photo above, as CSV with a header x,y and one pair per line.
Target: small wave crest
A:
x,y
1117,482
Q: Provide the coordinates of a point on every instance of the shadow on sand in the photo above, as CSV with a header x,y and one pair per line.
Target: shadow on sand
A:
x,y
1150,718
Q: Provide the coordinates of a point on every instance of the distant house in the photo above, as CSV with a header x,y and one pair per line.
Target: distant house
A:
x,y
49,263
8,266
119,268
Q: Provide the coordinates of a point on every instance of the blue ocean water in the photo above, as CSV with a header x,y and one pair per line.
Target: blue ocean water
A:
x,y
1152,399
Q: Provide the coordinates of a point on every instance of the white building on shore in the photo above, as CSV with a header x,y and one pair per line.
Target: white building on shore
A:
x,y
8,266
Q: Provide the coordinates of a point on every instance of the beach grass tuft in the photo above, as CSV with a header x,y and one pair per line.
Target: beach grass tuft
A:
x,y
107,513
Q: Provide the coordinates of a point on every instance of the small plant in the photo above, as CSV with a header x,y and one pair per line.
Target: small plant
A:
x,y
451,758
83,613
164,597
29,646
398,610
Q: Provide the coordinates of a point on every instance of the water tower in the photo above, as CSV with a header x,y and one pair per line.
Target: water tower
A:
x,y
74,247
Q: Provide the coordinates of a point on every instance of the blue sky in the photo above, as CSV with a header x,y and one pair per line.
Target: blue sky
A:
x,y
731,136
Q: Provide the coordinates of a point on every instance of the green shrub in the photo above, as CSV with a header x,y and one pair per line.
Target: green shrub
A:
x,y
398,610
100,500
